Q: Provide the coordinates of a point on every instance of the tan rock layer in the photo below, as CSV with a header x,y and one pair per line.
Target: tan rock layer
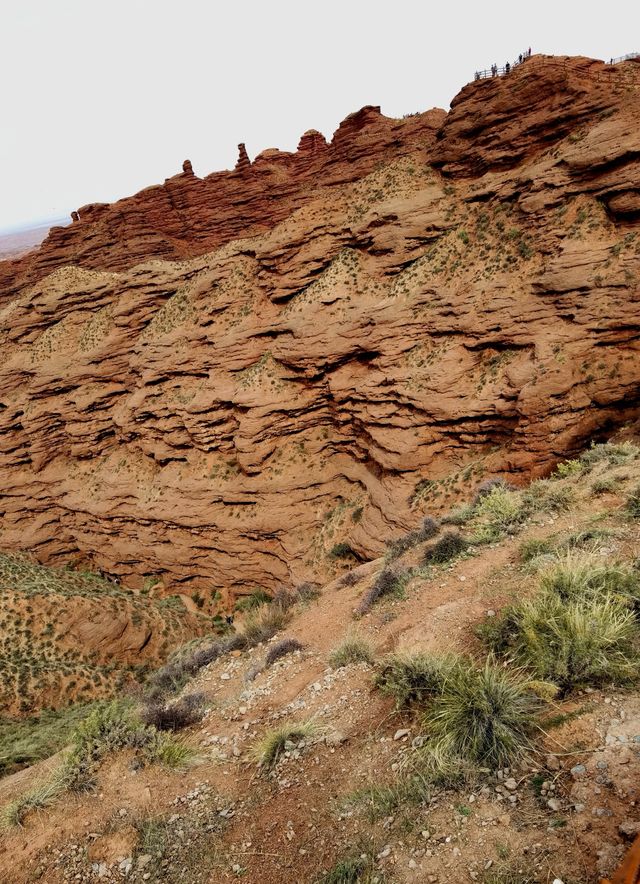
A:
x,y
402,317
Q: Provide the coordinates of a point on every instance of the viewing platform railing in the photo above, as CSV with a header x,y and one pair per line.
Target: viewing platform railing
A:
x,y
500,72
627,57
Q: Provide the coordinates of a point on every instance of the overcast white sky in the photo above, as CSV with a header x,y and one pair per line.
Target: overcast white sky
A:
x,y
100,98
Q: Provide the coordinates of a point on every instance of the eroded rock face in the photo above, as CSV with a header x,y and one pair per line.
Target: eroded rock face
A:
x,y
189,216
356,332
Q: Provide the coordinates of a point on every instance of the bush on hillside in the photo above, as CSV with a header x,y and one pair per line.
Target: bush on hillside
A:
x,y
281,649
174,716
108,728
173,676
341,550
255,598
610,453
577,574
534,547
487,487
459,516
388,581
414,678
448,547
633,503
268,750
349,579
428,529
353,649
606,485
307,592
263,624
485,716
501,509
545,496
571,642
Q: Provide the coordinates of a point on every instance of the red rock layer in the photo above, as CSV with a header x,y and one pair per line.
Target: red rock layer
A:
x,y
428,310
189,216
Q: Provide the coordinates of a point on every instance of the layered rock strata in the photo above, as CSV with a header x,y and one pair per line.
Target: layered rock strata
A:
x,y
219,380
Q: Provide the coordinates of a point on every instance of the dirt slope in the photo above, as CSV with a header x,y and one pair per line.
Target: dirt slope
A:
x,y
569,813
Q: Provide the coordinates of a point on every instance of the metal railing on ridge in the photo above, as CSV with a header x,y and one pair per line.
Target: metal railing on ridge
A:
x,y
626,57
496,71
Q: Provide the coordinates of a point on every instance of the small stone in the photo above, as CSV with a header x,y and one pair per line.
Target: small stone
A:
x,y
336,738
629,828
399,734
510,784
122,811
554,804
384,853
601,811
578,771
143,860
552,762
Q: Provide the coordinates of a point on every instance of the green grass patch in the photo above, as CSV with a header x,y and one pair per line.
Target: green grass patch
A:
x,y
356,867
106,729
485,716
25,741
268,750
632,505
252,601
580,642
353,649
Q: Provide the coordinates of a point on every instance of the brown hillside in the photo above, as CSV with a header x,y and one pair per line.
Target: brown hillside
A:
x,y
336,806
69,636
332,340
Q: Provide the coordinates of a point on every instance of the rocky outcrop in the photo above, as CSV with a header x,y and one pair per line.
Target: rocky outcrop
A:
x,y
354,333
243,163
189,216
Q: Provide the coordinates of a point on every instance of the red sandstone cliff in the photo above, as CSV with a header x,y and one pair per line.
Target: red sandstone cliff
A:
x,y
189,216
218,379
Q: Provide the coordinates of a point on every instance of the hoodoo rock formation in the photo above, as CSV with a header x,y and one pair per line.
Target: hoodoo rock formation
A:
x,y
216,381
